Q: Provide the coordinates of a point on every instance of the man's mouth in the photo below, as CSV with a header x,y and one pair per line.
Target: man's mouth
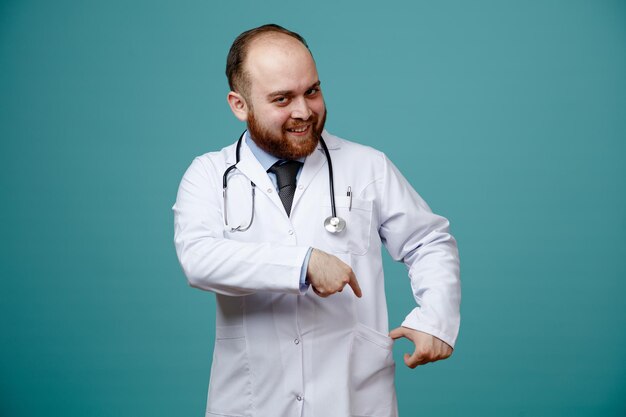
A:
x,y
299,129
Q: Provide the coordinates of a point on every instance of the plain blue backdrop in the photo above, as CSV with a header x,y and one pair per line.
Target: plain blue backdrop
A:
x,y
507,117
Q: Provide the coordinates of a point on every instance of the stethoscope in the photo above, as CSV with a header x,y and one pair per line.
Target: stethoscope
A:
x,y
332,224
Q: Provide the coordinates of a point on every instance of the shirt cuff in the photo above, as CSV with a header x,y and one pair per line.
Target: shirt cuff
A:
x,y
304,285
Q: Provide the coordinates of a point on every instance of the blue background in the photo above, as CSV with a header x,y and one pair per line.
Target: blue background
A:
x,y
507,117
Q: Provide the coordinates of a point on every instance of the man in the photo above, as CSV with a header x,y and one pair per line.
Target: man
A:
x,y
291,340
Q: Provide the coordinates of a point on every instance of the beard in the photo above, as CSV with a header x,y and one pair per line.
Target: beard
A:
x,y
284,147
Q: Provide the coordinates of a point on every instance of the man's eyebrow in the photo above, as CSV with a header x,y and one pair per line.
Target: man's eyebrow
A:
x,y
315,85
289,93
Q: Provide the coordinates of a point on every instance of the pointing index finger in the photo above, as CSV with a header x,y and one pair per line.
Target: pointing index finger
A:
x,y
354,284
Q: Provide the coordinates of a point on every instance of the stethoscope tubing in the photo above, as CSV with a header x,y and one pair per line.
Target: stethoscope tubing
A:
x,y
330,177
238,158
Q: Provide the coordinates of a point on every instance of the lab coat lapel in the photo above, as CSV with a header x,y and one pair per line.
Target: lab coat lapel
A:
x,y
252,169
312,166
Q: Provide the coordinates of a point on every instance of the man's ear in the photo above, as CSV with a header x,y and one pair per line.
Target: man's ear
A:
x,y
238,105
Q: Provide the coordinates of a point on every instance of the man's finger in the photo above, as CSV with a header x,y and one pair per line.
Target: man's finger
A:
x,y
354,284
397,333
414,360
319,293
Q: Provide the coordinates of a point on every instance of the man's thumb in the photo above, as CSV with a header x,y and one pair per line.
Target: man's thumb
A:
x,y
396,333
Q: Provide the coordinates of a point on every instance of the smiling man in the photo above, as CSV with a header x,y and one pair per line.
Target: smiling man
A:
x,y
278,94
279,223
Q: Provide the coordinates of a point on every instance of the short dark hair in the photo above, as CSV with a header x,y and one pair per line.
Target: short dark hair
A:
x,y
238,80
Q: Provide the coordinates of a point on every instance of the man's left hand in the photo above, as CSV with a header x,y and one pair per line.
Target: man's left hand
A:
x,y
428,348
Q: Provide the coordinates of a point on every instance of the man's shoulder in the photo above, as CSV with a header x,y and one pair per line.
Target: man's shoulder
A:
x,y
211,164
218,157
353,149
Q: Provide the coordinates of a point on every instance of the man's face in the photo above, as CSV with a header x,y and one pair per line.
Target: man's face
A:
x,y
286,111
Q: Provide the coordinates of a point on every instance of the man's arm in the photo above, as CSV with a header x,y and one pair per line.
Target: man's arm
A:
x,y
421,239
225,266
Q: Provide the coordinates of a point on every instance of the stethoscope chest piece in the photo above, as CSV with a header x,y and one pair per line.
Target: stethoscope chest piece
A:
x,y
334,224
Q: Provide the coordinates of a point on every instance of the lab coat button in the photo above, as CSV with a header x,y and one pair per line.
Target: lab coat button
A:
x,y
296,341
299,398
269,191
300,187
290,232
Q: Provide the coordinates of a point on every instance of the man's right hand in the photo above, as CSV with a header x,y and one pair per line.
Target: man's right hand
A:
x,y
329,274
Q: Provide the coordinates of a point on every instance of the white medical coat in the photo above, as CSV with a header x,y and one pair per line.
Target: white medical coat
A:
x,y
282,353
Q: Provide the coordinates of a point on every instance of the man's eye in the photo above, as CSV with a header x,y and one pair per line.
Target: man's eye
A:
x,y
280,100
312,91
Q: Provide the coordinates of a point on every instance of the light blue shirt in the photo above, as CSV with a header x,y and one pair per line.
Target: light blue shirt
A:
x,y
267,160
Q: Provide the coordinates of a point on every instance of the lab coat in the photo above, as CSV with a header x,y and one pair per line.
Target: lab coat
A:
x,y
279,351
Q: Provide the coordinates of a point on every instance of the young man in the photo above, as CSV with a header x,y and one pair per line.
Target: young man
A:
x,y
278,251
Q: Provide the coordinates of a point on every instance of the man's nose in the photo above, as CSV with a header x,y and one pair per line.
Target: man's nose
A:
x,y
301,110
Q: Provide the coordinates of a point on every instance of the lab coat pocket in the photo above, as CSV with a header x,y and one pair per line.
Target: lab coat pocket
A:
x,y
355,238
372,393
230,387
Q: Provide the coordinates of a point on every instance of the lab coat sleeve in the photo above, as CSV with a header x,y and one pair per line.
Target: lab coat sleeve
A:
x,y
421,239
213,263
